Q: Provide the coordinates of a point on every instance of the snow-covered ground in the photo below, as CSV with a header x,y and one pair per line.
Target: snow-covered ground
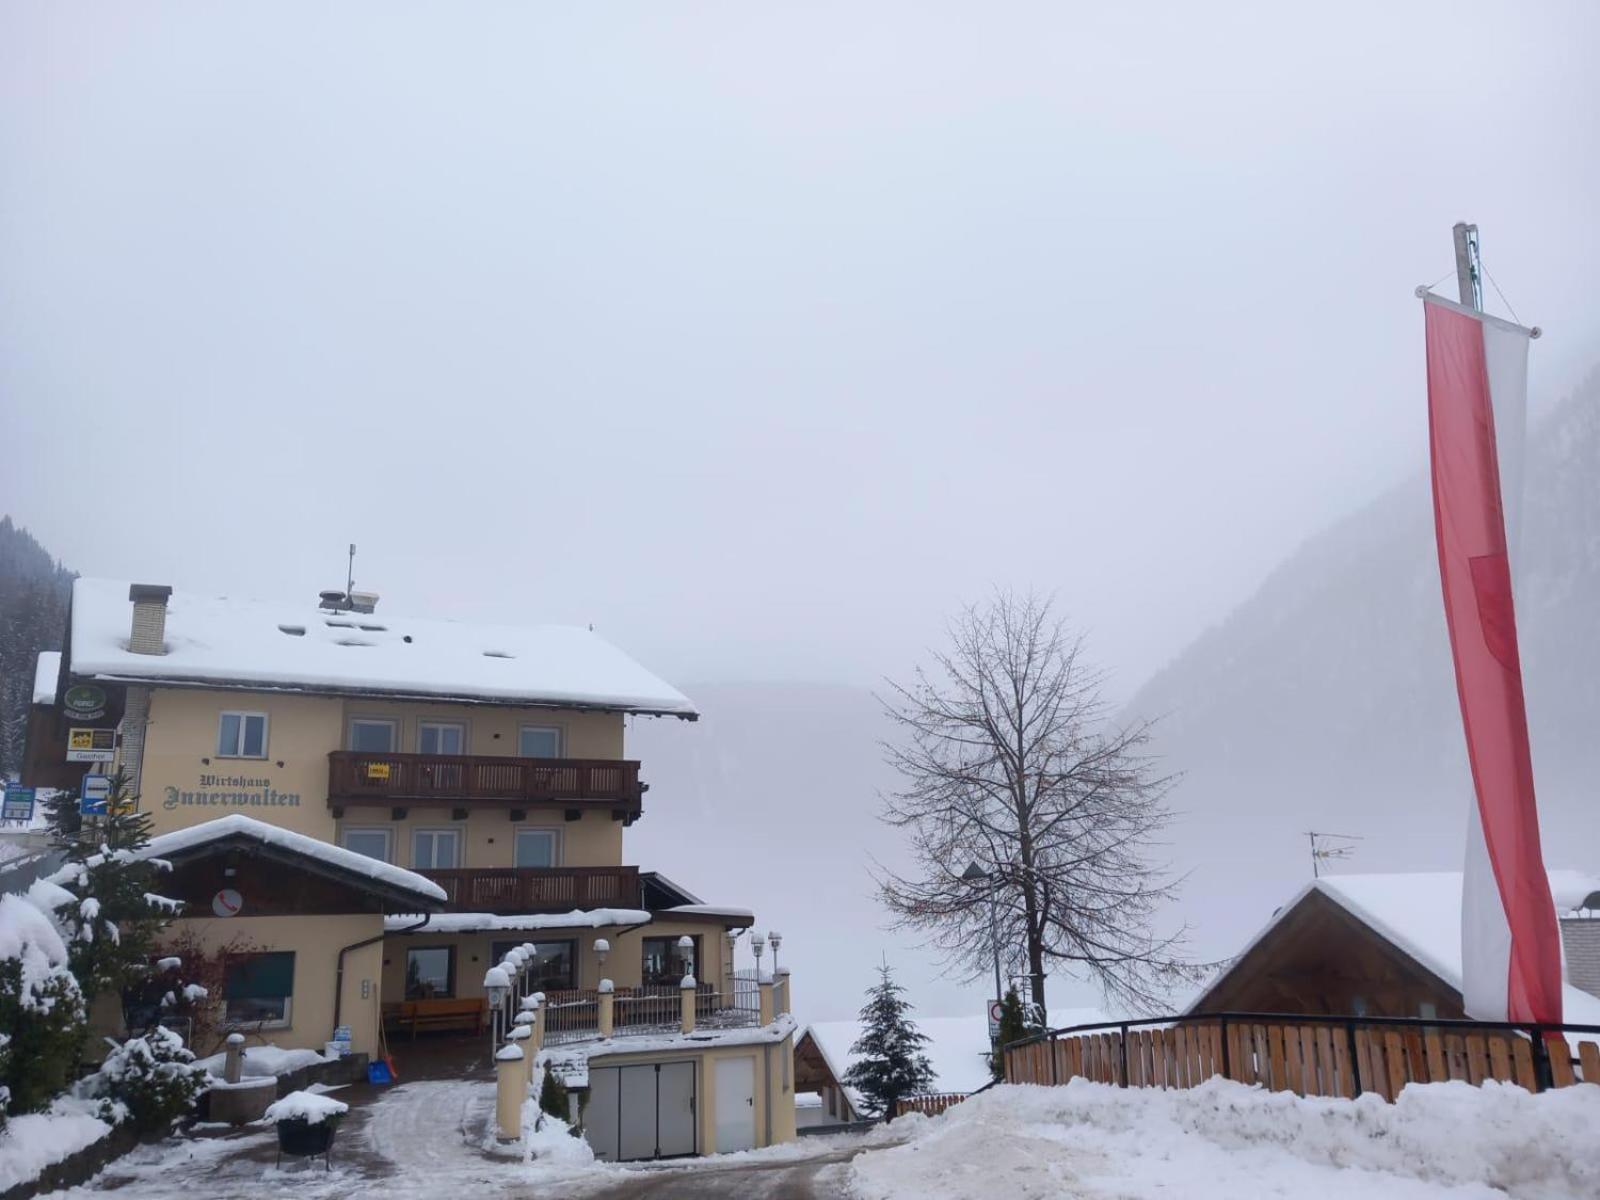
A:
x,y
1084,1141
1224,1141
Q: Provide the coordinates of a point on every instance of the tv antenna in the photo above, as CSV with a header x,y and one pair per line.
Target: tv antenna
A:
x,y
350,573
1325,846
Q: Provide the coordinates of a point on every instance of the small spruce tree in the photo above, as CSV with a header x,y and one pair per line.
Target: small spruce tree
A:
x,y
115,915
62,815
553,1096
1013,1027
891,1063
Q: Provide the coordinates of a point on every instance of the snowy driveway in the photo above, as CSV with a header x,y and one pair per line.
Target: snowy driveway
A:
x,y
424,1139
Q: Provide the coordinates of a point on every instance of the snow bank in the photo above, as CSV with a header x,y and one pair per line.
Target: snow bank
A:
x,y
310,1107
33,1141
266,1060
1224,1140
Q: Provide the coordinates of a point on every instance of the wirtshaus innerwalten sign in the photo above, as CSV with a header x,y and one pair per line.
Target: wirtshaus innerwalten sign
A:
x,y
230,791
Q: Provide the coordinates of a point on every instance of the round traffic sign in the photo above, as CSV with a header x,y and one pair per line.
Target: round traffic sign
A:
x,y
227,903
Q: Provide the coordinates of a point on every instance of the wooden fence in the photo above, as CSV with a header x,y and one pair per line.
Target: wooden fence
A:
x,y
1333,1057
932,1104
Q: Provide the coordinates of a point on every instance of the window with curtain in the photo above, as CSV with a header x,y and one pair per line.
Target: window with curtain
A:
x,y
258,989
436,849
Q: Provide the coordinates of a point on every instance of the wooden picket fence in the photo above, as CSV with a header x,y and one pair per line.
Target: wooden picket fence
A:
x,y
931,1104
1308,1056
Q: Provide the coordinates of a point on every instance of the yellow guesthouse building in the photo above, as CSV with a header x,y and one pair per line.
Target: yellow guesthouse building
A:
x,y
365,812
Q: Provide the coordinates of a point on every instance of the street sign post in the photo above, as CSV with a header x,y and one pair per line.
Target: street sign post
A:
x,y
94,796
994,1019
18,804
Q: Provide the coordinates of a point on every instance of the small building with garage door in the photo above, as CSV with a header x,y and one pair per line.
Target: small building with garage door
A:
x,y
704,1091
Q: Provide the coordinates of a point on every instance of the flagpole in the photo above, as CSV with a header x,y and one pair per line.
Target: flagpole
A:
x,y
1469,272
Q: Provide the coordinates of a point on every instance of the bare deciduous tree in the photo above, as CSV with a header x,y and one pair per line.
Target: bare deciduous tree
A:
x,y
1008,760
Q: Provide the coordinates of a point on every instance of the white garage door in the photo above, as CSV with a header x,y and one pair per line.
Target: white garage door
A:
x,y
641,1112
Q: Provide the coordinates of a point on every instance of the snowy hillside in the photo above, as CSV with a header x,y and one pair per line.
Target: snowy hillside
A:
x,y
1326,700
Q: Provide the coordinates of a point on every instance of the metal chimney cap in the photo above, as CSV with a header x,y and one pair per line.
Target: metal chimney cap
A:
x,y
146,592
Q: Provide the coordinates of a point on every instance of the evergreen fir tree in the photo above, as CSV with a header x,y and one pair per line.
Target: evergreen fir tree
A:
x,y
116,914
62,815
1013,1027
891,1063
553,1097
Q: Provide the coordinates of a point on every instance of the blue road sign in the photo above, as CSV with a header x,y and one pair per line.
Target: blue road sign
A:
x,y
17,805
93,796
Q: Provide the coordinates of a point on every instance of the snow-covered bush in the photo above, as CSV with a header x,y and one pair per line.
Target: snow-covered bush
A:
x,y
153,1080
41,1008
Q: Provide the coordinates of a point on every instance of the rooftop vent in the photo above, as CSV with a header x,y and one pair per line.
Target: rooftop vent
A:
x,y
497,654
334,600
293,630
340,624
374,628
354,642
363,602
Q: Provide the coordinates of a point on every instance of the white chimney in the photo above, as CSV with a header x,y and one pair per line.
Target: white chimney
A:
x,y
149,633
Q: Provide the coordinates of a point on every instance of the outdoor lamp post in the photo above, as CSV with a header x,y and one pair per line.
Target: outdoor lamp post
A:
x,y
776,939
976,874
496,986
601,949
686,951
758,944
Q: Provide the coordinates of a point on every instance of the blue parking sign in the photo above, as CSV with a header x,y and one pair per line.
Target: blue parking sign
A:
x,y
93,797
17,805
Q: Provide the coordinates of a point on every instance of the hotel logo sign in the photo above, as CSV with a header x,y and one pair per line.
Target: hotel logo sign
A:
x,y
84,702
231,791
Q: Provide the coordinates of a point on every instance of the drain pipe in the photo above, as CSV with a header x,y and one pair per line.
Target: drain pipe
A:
x,y
338,975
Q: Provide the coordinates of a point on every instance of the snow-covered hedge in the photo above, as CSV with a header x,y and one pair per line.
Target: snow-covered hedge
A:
x,y
150,1081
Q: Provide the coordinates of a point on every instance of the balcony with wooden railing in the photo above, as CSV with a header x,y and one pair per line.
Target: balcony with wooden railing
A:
x,y
461,780
537,889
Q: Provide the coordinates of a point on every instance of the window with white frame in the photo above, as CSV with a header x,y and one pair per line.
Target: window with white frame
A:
x,y
441,737
373,735
242,735
374,842
536,848
539,741
258,989
436,849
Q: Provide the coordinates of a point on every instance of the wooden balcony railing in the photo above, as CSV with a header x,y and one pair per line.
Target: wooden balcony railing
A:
x,y
537,889
359,778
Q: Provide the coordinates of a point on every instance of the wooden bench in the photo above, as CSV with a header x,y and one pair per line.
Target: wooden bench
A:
x,y
435,1014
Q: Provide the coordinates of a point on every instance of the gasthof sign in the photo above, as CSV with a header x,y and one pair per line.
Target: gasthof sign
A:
x,y
91,745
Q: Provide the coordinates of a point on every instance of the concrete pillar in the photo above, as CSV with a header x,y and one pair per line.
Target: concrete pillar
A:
x,y
767,1007
687,990
606,1016
511,1089
783,1000
538,1021
521,1037
233,1061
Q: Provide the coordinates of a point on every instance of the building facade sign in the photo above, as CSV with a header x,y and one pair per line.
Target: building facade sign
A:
x,y
230,791
84,702
91,745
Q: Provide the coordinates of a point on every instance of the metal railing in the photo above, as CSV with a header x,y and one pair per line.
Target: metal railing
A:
x,y
536,889
1311,1055
572,1016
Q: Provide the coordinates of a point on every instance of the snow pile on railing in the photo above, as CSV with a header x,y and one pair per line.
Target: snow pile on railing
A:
x,y
1223,1140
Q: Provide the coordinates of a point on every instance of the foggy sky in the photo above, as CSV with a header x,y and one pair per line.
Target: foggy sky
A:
x,y
760,338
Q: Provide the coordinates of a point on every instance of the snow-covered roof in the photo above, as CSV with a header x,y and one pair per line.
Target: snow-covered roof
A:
x,y
570,1060
958,1047
721,911
1419,913
46,671
458,922
255,644
237,825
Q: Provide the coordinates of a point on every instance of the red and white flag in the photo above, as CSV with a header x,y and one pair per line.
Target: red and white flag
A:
x,y
1477,414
